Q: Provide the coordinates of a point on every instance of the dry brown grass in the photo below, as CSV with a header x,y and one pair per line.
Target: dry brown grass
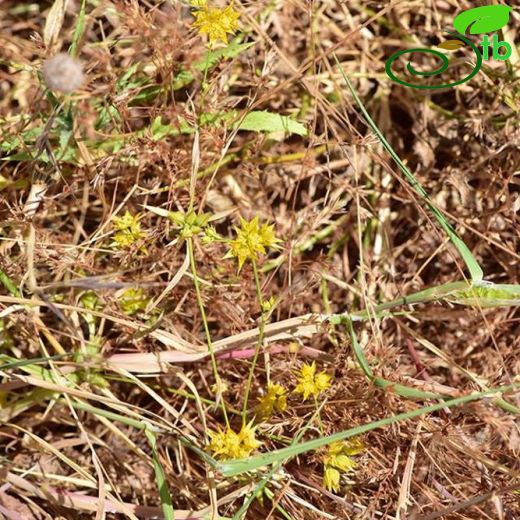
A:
x,y
354,234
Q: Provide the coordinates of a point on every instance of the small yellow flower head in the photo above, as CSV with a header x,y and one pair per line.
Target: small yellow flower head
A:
x,y
338,460
310,383
227,444
210,235
268,305
331,478
275,400
133,301
216,22
252,240
248,439
128,231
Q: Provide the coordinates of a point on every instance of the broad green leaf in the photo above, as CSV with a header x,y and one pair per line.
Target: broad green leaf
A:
x,y
485,19
264,121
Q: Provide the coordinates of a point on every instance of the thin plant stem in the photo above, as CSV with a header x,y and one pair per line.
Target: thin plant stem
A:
x,y
318,416
260,342
189,241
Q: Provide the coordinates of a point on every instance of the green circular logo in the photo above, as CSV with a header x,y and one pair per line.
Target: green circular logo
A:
x,y
444,65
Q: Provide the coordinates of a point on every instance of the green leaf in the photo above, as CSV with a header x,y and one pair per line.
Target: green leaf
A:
x,y
80,29
210,59
485,19
264,121
160,477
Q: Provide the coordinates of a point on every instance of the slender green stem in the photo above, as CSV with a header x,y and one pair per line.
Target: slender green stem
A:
x,y
318,416
260,342
206,68
189,241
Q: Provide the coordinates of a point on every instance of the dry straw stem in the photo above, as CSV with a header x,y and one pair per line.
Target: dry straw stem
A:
x,y
54,23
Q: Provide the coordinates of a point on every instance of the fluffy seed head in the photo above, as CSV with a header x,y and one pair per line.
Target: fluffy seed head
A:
x,y
63,73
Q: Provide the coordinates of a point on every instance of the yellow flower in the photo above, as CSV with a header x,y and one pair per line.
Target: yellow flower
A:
x,y
338,460
248,440
216,22
252,240
310,383
331,478
227,444
275,399
128,231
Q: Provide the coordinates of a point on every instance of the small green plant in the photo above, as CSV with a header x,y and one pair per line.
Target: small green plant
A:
x,y
191,224
251,241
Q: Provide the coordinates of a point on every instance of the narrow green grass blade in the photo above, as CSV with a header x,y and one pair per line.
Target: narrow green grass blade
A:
x,y
474,268
80,29
237,467
11,362
160,477
488,295
358,351
112,416
433,293
407,392
9,284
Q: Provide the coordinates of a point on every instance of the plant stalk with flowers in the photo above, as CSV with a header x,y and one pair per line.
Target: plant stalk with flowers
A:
x,y
312,384
252,240
191,224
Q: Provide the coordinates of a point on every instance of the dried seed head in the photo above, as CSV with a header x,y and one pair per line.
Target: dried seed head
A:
x,y
63,73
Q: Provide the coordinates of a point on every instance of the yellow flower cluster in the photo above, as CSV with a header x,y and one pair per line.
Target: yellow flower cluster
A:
x,y
216,22
310,383
227,444
128,231
252,240
338,460
275,400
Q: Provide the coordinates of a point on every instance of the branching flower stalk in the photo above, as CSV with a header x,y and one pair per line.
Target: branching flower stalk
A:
x,y
189,225
252,240
218,381
259,343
